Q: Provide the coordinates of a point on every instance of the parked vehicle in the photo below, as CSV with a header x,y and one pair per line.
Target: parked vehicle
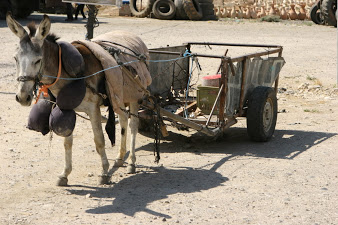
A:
x,y
19,8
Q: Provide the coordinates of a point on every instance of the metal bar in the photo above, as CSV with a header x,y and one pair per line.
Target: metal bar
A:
x,y
277,78
220,66
267,52
241,99
165,52
90,21
224,82
215,103
239,58
234,44
182,120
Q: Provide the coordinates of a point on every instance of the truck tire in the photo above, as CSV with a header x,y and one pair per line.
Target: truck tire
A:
x,y
328,10
315,15
192,9
164,9
138,11
19,8
261,114
4,8
180,13
207,10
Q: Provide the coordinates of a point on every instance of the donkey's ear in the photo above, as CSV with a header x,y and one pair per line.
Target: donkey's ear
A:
x,y
44,28
15,27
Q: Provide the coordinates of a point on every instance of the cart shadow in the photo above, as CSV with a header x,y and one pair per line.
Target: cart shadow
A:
x,y
285,144
134,193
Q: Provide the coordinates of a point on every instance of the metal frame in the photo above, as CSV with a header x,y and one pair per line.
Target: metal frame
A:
x,y
223,121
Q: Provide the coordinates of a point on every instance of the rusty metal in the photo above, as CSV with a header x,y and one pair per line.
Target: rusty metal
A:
x,y
248,71
214,106
233,44
241,98
224,82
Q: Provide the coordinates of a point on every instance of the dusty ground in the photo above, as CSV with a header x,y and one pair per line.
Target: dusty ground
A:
x,y
290,180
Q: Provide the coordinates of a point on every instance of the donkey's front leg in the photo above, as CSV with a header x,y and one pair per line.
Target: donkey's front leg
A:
x,y
95,119
133,124
68,143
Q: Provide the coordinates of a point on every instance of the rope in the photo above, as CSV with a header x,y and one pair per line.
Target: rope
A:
x,y
44,88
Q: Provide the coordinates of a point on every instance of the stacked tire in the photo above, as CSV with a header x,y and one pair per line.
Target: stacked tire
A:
x,y
170,9
324,12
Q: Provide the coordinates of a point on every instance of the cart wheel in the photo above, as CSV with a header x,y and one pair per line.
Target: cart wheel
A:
x,y
261,114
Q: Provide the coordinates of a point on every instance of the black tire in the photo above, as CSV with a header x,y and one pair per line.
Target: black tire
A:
x,y
261,114
328,10
143,11
208,10
206,1
164,9
315,15
180,13
193,9
5,6
207,7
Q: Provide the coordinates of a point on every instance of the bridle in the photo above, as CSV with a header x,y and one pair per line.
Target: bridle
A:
x,y
43,88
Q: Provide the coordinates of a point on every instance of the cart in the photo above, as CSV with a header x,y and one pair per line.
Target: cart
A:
x,y
247,87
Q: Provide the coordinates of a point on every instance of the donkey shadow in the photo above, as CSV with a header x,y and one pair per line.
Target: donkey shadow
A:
x,y
134,193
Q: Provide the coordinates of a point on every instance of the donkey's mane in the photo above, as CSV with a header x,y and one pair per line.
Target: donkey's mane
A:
x,y
32,31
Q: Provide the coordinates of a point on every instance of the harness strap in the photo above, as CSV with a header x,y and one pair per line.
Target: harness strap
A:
x,y
44,88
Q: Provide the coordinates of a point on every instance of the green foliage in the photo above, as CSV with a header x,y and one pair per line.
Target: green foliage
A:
x,y
271,19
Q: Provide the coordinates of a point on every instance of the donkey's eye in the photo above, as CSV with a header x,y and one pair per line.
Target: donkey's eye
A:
x,y
37,62
16,59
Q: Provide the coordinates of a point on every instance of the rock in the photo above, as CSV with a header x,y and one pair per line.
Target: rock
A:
x,y
164,219
90,174
312,87
88,196
303,86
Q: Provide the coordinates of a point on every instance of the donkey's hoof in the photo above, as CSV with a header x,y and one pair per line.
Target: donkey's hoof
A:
x,y
131,169
118,163
104,179
62,181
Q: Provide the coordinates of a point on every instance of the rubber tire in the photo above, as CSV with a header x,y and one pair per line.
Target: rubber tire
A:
x,y
315,16
169,4
206,2
208,10
180,13
328,10
193,9
256,103
143,13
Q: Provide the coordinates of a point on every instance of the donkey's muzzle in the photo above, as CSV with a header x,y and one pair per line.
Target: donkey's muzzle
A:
x,y
24,101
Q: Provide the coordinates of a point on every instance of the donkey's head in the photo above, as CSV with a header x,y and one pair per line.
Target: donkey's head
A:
x,y
28,56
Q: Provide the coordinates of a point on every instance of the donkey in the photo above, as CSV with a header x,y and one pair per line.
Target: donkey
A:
x,y
37,54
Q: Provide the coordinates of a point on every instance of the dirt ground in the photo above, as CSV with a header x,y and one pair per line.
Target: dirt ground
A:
x,y
290,180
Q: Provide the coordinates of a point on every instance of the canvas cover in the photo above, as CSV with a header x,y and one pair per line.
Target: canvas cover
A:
x,y
120,87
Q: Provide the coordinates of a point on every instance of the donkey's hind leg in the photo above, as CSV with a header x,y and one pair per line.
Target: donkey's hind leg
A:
x,y
68,143
133,124
95,119
123,119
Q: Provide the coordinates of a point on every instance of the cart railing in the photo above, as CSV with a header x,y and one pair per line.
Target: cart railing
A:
x,y
235,84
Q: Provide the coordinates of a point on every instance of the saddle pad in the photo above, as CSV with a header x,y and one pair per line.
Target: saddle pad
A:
x,y
72,60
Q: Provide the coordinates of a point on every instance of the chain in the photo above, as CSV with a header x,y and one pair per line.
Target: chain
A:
x,y
129,113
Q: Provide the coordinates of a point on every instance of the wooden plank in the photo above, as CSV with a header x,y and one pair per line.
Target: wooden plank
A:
x,y
190,106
